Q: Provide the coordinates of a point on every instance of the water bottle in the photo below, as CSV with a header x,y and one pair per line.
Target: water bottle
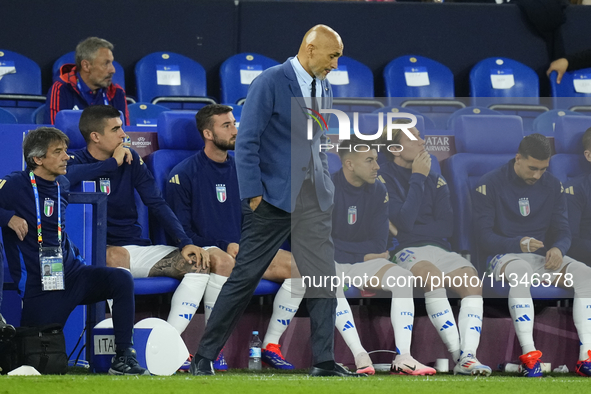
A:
x,y
254,356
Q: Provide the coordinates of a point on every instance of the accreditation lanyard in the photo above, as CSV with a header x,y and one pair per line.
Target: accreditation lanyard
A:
x,y
51,259
89,97
37,205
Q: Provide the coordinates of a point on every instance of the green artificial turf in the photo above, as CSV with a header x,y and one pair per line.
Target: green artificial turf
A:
x,y
274,382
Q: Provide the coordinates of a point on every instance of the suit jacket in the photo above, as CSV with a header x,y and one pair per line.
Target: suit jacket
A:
x,y
273,153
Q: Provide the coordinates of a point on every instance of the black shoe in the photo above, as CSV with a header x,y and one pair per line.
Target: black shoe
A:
x,y
125,363
6,330
203,367
338,370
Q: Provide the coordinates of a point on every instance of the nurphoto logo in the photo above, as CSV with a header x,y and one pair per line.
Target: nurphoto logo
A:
x,y
345,129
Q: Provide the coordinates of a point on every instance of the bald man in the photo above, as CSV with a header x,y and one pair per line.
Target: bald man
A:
x,y
283,197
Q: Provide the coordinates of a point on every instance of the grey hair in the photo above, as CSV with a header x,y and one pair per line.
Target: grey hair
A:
x,y
86,50
37,142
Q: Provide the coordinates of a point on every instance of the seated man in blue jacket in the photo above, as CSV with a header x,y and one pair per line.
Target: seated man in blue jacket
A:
x,y
203,193
39,195
422,216
521,219
360,235
120,172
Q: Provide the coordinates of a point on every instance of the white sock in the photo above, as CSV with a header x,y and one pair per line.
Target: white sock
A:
x,y
346,325
443,320
212,292
470,324
521,305
186,299
581,280
402,309
286,304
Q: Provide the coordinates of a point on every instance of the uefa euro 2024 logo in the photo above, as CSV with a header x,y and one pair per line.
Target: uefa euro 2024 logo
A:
x,y
345,129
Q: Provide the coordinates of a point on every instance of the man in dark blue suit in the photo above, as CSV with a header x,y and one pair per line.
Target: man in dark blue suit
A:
x,y
286,190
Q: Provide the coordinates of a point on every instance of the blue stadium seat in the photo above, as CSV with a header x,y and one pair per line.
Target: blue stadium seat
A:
x,y
171,79
178,139
237,72
334,162
145,114
67,121
400,78
20,85
569,132
237,112
423,84
502,83
7,117
565,96
69,58
469,111
569,162
352,86
38,116
545,123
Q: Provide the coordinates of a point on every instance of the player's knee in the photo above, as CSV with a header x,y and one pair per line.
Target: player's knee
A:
x,y
118,257
429,273
518,267
121,279
577,275
222,264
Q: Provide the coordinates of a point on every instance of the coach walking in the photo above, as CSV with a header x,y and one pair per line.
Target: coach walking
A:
x,y
285,189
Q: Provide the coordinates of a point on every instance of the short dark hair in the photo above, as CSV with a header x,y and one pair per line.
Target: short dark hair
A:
x,y
86,50
37,142
205,115
93,119
535,145
587,139
347,147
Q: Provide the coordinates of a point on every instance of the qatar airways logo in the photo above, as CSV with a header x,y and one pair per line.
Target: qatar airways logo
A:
x,y
345,129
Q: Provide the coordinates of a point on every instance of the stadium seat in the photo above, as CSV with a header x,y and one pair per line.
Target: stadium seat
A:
x,y
67,121
145,114
6,117
38,116
505,84
424,84
545,123
352,86
69,58
171,79
569,162
469,111
569,132
574,90
20,85
237,72
334,162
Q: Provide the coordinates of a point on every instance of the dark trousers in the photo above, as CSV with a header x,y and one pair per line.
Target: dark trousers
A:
x,y
83,286
263,232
